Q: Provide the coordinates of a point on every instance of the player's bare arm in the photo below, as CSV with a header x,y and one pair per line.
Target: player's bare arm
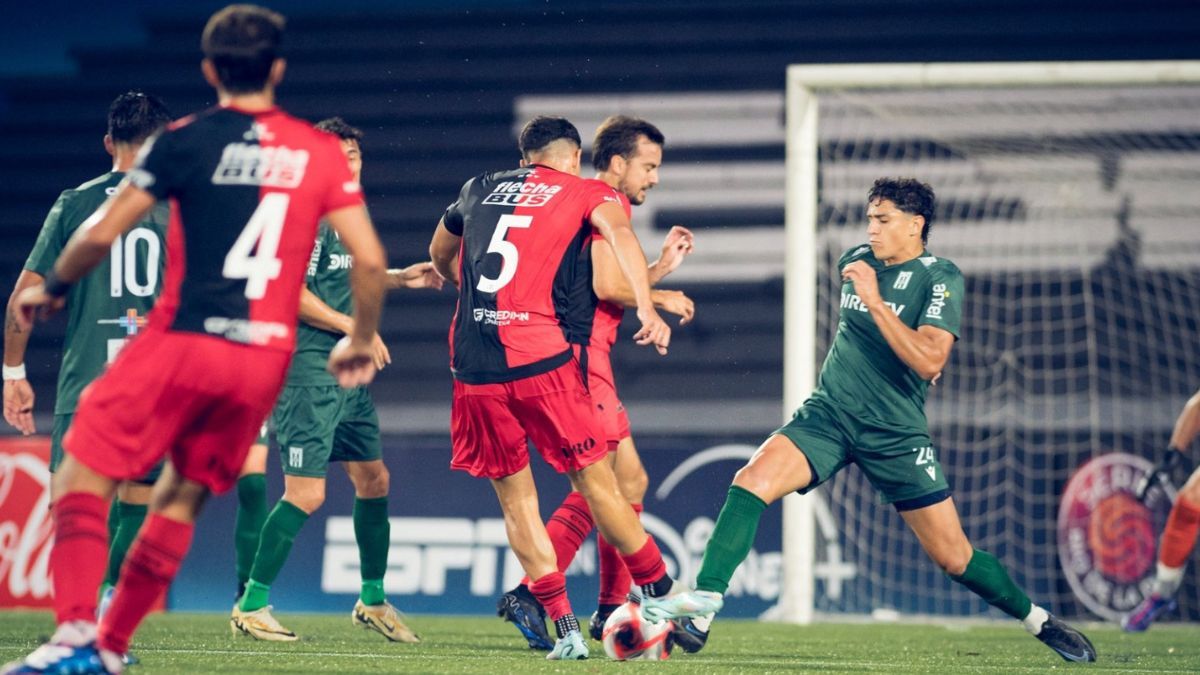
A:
x,y
417,275
443,251
352,361
611,285
18,393
314,312
90,245
925,350
614,226
1187,426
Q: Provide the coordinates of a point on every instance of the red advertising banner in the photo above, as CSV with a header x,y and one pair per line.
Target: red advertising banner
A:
x,y
26,529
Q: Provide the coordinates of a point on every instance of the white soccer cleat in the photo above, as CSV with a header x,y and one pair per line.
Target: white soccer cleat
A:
x,y
383,619
680,605
569,647
259,625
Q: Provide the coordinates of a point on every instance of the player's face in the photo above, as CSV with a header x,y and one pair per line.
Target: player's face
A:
x,y
641,171
353,156
890,231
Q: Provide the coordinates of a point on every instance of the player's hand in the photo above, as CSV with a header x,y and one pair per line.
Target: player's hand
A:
x,y
678,243
676,303
352,363
34,302
18,405
866,286
654,330
382,356
1173,460
419,275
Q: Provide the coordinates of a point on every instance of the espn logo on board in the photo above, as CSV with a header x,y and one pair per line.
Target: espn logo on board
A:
x,y
516,193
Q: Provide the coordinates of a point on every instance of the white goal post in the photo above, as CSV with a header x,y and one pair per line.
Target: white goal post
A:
x,y
806,85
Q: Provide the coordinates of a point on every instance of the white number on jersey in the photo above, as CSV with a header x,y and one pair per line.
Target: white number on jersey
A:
x,y
506,249
124,277
252,256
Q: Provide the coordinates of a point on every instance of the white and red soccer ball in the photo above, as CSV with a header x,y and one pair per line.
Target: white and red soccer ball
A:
x,y
629,636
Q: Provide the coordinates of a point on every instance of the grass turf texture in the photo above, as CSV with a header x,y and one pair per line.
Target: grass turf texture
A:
x,y
192,643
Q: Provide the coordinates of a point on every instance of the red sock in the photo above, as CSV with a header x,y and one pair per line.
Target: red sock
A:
x,y
1180,534
551,591
80,554
570,524
614,575
646,566
149,568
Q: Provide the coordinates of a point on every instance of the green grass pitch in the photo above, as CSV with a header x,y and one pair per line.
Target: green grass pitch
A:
x,y
201,643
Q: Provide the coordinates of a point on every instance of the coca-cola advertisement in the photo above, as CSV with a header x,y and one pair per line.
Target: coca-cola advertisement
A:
x,y
26,529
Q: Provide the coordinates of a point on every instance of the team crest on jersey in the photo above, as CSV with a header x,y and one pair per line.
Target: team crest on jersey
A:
x,y
258,132
519,193
1106,537
928,260
270,166
902,281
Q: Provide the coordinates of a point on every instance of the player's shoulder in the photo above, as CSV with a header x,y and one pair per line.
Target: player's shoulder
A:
x,y
859,252
939,266
92,191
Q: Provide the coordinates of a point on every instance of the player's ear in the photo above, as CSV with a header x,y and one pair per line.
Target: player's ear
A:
x,y
577,161
210,73
108,145
278,67
918,223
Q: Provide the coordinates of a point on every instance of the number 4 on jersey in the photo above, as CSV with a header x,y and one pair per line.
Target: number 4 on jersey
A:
x,y
506,249
252,256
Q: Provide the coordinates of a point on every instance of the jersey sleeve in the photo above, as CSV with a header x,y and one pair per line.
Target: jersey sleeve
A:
x,y
943,304
453,217
157,169
340,190
51,240
598,193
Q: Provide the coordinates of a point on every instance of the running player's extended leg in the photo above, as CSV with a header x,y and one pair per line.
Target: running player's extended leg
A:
x,y
1175,547
251,512
614,576
528,539
941,535
373,532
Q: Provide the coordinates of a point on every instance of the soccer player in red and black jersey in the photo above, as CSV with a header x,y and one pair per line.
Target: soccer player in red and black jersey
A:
x,y
512,243
247,184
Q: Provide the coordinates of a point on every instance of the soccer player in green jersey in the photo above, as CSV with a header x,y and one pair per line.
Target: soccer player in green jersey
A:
x,y
316,422
105,309
901,310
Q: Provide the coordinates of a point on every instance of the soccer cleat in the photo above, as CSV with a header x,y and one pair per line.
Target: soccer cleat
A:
x,y
596,625
1147,612
1068,642
679,605
383,619
688,635
527,614
259,625
58,659
569,647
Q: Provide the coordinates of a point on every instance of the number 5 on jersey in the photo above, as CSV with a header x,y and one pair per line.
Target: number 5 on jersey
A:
x,y
252,256
506,249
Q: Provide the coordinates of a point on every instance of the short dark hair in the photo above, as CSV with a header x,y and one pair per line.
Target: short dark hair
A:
x,y
342,129
242,41
135,116
909,195
618,135
543,130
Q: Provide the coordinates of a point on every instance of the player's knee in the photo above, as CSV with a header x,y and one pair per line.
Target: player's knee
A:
x,y
753,479
374,484
307,498
634,486
953,560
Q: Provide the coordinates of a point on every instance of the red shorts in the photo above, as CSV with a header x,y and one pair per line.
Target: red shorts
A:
x,y
201,398
604,396
489,424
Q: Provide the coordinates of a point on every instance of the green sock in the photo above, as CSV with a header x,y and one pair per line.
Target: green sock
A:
x,y
114,519
373,532
731,539
251,514
274,544
129,520
986,576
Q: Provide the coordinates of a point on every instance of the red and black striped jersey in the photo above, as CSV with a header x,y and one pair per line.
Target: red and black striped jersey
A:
x,y
520,306
246,192
608,314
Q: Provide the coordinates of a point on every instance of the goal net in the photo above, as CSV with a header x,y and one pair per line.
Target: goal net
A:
x,y
1067,195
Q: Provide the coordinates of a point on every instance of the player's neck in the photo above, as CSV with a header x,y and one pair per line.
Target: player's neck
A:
x,y
259,101
608,179
904,256
124,157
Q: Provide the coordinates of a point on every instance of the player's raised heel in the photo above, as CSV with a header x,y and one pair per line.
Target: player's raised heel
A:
x,y
526,613
679,605
1147,613
260,625
569,647
1066,641
385,620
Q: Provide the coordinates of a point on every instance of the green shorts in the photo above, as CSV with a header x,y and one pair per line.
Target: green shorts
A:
x,y
902,466
61,424
318,425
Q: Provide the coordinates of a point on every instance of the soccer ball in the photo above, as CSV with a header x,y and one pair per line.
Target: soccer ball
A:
x,y
628,636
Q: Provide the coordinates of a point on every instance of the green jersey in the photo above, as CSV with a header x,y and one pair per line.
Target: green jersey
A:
x,y
109,305
861,374
328,278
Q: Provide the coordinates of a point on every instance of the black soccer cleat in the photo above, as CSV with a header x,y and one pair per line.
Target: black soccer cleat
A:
x,y
688,635
527,614
596,625
1068,642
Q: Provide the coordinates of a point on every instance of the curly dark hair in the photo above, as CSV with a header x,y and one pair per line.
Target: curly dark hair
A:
x,y
618,135
909,195
135,116
342,129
